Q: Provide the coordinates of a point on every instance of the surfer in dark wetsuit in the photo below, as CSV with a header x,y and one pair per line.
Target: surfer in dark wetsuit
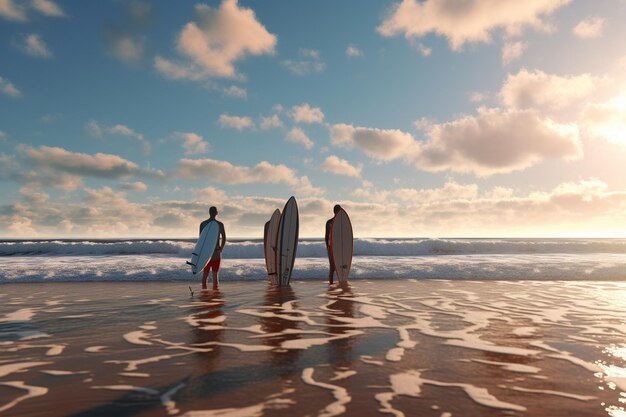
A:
x,y
214,262
329,225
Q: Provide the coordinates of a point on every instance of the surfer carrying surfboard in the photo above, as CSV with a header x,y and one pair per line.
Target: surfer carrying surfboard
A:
x,y
216,258
329,225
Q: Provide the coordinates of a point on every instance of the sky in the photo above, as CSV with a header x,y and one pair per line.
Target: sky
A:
x,y
428,118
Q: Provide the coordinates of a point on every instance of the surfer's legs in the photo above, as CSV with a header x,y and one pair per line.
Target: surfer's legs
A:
x,y
205,275
216,279
331,273
214,265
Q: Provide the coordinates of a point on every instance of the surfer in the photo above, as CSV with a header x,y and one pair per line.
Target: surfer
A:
x,y
214,262
329,225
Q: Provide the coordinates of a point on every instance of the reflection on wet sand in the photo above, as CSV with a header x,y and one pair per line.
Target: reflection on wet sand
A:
x,y
394,347
278,330
211,321
340,304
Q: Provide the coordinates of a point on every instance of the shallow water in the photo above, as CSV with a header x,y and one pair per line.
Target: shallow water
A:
x,y
396,347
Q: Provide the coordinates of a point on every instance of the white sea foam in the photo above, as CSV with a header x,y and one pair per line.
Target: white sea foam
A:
x,y
133,260
142,390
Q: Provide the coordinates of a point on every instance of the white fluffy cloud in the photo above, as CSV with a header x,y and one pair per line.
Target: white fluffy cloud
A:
x,y
308,61
237,92
34,46
496,141
353,52
95,129
192,143
340,166
271,122
224,172
585,208
125,46
307,114
216,40
137,186
512,51
381,144
236,122
12,11
466,21
451,190
607,119
6,87
531,89
297,135
48,8
18,10
590,27
99,165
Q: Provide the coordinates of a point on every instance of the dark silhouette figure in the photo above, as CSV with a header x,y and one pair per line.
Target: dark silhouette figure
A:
x,y
216,258
329,225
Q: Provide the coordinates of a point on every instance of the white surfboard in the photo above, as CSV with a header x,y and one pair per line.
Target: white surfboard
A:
x,y
287,242
342,244
269,245
205,246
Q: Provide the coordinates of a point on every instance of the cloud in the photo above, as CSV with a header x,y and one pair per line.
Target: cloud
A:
x,y
496,141
12,11
353,52
224,172
306,114
530,89
606,120
49,118
99,165
340,166
140,12
48,8
236,122
7,88
381,144
211,45
271,122
309,62
590,27
192,143
297,135
450,191
468,21
237,92
583,208
34,46
420,47
124,45
96,130
477,97
17,10
134,186
512,51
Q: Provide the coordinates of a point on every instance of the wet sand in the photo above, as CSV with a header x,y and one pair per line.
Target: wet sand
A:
x,y
386,347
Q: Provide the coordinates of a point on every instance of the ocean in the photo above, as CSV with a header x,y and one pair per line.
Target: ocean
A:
x,y
374,258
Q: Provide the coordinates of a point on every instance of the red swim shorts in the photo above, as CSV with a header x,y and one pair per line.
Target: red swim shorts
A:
x,y
213,264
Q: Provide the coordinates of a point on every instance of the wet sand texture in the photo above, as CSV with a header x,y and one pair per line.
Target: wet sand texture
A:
x,y
385,347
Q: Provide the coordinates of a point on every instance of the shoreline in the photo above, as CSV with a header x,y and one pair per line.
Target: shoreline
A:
x,y
406,346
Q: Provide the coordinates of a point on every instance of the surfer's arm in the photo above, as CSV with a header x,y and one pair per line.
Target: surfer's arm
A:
x,y
223,233
327,235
